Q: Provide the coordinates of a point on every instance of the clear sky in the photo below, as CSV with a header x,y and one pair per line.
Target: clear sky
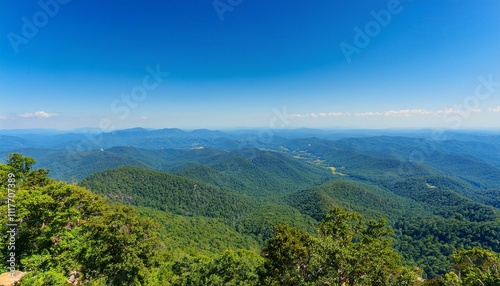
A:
x,y
249,63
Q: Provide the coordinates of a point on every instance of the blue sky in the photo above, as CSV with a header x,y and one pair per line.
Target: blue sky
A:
x,y
240,63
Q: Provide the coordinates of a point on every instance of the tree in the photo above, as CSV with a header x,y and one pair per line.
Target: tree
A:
x,y
65,231
288,256
21,164
121,246
354,252
231,268
347,251
37,178
473,267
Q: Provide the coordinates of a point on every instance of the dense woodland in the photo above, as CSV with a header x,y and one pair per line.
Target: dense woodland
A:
x,y
258,216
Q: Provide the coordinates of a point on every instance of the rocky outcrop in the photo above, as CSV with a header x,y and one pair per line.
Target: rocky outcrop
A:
x,y
11,279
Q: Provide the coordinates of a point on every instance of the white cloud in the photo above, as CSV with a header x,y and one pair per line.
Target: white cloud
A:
x,y
494,109
477,110
298,115
461,112
395,113
445,111
370,113
407,112
38,114
321,114
3,117
337,114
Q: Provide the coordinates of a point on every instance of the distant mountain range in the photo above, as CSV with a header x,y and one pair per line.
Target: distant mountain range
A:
x,y
90,139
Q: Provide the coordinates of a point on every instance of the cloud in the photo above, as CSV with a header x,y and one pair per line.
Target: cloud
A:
x,y
370,113
38,114
407,112
494,109
321,114
461,112
396,113
298,115
3,117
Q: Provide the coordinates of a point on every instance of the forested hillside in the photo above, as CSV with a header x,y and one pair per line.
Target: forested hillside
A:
x,y
428,225
141,187
248,216
66,234
248,170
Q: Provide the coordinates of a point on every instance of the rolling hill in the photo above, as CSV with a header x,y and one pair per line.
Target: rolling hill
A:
x,y
162,191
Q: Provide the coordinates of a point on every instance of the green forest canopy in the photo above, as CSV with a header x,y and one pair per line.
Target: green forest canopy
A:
x,y
67,232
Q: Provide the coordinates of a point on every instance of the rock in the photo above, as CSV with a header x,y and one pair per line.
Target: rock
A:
x,y
7,279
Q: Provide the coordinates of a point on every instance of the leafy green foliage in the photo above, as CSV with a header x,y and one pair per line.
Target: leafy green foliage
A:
x,y
50,277
348,251
231,267
471,267
288,254
65,229
21,164
120,245
477,266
